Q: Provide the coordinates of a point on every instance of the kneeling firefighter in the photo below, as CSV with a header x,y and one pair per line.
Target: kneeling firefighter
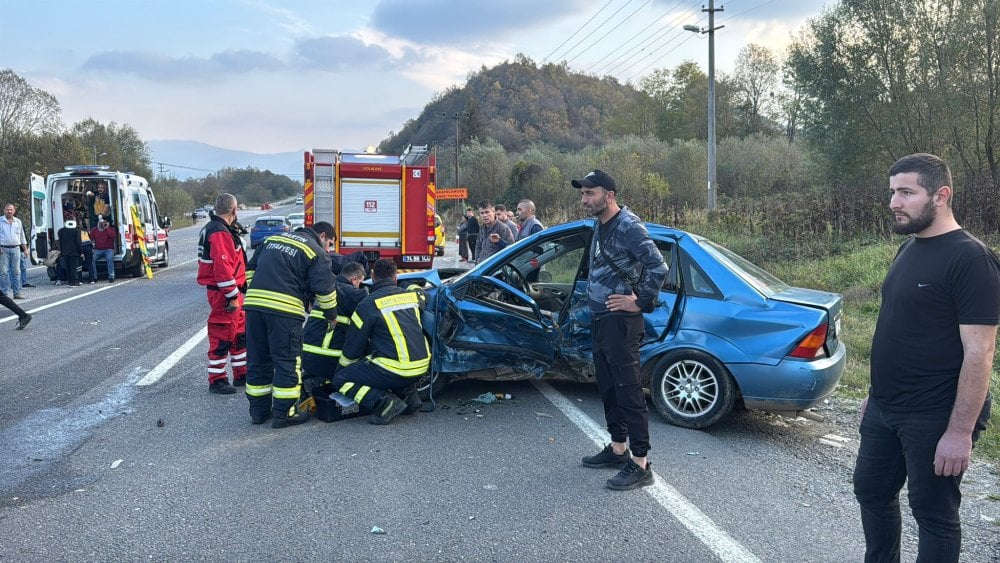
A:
x,y
387,323
323,341
284,275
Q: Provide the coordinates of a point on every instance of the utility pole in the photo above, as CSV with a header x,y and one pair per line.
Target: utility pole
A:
x,y
710,30
457,116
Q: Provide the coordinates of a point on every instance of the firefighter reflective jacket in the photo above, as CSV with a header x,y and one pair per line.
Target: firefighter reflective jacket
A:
x,y
317,336
387,323
222,261
287,272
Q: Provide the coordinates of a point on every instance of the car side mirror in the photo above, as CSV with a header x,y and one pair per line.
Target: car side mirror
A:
x,y
165,221
544,277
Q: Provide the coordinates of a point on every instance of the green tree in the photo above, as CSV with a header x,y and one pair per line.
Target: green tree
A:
x,y
755,81
120,143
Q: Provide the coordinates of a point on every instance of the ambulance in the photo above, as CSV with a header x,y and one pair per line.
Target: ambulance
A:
x,y
88,193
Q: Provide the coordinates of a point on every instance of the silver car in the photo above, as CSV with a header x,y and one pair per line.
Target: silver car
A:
x,y
295,220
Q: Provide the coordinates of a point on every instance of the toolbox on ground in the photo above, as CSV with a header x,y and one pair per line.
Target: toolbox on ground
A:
x,y
332,406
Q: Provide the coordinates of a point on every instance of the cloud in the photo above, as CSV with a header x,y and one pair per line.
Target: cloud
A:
x,y
449,22
159,67
336,53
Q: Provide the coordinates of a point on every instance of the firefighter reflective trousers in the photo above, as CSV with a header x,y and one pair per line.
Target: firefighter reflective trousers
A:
x,y
274,352
367,383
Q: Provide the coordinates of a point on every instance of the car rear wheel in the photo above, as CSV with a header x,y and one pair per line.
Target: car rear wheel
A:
x,y
166,257
692,389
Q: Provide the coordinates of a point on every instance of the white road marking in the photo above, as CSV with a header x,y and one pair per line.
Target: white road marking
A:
x,y
84,294
696,521
156,373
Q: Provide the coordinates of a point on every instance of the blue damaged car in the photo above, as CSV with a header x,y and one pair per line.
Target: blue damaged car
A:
x,y
723,332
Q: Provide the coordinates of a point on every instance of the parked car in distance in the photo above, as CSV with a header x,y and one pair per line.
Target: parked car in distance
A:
x,y
299,200
724,331
200,213
265,226
439,235
295,220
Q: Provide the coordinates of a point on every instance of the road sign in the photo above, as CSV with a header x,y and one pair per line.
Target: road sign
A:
x,y
452,193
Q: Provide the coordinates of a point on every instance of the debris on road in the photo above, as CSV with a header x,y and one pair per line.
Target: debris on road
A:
x,y
486,398
378,531
116,463
543,414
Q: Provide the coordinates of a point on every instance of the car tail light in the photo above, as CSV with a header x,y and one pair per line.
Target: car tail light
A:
x,y
811,347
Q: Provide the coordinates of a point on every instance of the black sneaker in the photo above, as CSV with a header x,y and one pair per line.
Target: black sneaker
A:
x,y
111,280
221,387
390,407
27,285
606,458
23,322
632,476
413,402
284,419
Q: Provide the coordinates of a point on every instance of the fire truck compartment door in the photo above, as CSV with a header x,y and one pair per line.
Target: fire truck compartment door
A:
x,y
371,213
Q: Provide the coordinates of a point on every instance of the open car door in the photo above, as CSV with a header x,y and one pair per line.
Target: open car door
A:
x,y
487,324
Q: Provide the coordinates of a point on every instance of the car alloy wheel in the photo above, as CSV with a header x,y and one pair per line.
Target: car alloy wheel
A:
x,y
692,389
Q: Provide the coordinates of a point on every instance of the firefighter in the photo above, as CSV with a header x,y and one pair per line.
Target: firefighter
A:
x,y
387,323
322,339
222,265
285,274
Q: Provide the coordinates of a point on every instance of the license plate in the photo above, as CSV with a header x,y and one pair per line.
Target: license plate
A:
x,y
418,258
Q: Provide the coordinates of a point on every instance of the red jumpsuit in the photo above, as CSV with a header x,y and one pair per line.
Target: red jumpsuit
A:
x,y
222,269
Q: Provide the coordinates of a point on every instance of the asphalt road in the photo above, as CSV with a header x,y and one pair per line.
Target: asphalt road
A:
x,y
112,449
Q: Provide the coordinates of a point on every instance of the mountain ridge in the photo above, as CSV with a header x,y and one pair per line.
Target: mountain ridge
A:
x,y
186,159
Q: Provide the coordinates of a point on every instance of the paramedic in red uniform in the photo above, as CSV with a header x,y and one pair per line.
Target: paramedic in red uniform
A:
x,y
222,269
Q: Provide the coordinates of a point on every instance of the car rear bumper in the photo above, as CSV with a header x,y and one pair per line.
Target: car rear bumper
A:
x,y
792,384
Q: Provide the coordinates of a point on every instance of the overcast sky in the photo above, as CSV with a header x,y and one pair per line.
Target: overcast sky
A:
x,y
276,75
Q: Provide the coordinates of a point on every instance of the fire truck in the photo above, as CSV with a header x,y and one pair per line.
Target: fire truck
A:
x,y
379,204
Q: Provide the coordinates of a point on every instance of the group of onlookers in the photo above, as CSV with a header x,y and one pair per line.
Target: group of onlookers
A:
x,y
494,228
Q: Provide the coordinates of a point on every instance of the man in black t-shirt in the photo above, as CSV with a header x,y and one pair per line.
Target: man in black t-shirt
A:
x,y
931,361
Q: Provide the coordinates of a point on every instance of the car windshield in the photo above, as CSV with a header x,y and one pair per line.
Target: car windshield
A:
x,y
296,216
270,222
767,284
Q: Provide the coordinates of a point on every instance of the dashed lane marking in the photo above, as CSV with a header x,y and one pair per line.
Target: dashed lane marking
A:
x,y
689,515
156,373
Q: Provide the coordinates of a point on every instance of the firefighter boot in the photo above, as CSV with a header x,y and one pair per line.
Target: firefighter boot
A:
x,y
413,402
387,409
260,409
289,417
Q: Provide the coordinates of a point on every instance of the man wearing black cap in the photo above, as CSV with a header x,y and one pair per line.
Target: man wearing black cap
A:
x,y
626,272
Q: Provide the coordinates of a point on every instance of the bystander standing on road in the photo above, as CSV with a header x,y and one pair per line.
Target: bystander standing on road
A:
x,y
87,252
14,247
472,232
285,273
507,217
529,223
462,239
493,234
931,360
222,266
70,250
104,246
626,273
23,318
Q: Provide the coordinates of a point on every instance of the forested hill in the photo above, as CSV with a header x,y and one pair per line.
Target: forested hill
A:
x,y
520,104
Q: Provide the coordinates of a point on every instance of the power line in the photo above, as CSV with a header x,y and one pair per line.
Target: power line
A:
x,y
636,50
577,44
628,17
687,38
633,38
578,30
